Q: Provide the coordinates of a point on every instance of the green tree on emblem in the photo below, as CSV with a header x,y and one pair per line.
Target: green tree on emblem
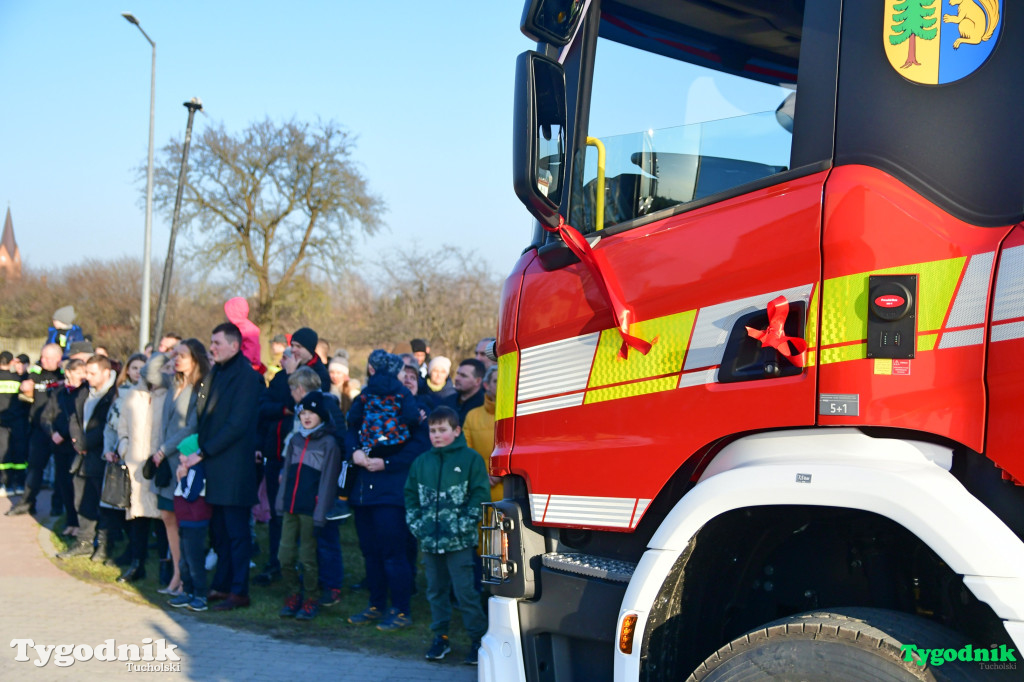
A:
x,y
914,19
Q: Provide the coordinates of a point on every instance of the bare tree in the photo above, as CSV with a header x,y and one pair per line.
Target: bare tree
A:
x,y
270,202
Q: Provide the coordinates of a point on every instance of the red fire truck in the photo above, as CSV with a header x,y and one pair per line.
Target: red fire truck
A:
x,y
761,368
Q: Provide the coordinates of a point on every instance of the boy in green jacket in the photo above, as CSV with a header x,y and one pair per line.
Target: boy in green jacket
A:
x,y
443,494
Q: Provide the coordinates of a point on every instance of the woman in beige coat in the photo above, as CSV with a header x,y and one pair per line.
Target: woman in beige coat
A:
x,y
136,430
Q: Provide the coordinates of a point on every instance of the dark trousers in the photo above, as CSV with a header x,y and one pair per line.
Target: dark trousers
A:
x,y
232,541
138,538
448,573
63,487
87,504
328,556
39,449
272,469
13,454
193,559
383,539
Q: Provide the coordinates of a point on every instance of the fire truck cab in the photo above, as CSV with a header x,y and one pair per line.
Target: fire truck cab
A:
x,y
761,366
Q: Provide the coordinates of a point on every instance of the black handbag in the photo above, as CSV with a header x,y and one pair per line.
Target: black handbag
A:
x,y
117,486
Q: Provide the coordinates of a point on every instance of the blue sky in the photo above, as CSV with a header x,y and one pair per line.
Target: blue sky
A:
x,y
427,87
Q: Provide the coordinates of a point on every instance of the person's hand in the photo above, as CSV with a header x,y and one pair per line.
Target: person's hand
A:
x,y
191,460
374,464
181,471
359,458
57,438
158,457
259,457
110,456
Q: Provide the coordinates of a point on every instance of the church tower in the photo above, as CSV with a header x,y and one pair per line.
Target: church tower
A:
x,y
10,257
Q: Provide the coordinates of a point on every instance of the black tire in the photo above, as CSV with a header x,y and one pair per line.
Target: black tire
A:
x,y
842,645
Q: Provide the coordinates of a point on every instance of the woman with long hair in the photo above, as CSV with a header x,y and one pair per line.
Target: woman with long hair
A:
x,y
180,372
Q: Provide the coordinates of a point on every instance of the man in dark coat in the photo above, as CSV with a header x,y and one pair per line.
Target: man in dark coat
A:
x,y
304,349
468,384
228,411
86,430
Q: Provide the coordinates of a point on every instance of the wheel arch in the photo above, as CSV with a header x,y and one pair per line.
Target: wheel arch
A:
x,y
903,481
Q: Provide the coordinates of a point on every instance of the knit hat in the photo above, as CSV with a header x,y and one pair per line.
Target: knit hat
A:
x,y
338,362
23,359
317,403
189,446
280,338
440,361
383,361
307,338
65,315
418,346
80,347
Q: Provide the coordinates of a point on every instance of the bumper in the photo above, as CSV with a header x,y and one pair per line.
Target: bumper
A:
x,y
501,651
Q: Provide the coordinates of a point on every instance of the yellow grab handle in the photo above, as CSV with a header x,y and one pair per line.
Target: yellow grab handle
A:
x,y
599,209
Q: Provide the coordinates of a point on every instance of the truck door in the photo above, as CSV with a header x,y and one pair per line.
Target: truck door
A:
x,y
696,174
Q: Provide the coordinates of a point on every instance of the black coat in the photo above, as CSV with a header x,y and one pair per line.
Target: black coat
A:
x,y
88,437
277,414
228,412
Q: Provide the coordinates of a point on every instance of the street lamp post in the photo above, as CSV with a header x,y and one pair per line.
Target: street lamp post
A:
x,y
147,245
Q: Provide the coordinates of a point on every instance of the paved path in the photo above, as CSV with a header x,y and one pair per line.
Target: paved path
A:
x,y
40,602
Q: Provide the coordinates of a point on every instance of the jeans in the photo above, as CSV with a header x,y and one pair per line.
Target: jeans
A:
x,y
453,572
328,556
193,559
383,539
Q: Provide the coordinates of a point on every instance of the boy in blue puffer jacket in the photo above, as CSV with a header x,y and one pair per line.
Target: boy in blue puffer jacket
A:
x,y
443,494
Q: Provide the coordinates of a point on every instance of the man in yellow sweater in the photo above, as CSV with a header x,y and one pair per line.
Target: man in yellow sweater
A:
x,y
479,427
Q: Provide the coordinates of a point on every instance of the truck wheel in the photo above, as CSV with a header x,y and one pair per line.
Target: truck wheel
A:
x,y
847,645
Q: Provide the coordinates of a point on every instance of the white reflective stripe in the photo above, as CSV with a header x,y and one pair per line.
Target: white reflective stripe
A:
x,y
969,305
609,512
538,503
562,401
557,367
708,376
1008,331
964,337
1009,299
714,323
641,507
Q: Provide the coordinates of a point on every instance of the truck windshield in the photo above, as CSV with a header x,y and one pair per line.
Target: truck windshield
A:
x,y
673,132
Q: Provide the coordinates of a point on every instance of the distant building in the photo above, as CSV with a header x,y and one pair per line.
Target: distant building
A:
x,y
10,256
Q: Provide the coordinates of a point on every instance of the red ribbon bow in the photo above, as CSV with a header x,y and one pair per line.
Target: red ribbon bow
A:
x,y
597,264
775,335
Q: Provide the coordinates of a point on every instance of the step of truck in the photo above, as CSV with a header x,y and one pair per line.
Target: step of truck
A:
x,y
589,565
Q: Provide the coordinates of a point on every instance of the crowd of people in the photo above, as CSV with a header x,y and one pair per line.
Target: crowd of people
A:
x,y
211,441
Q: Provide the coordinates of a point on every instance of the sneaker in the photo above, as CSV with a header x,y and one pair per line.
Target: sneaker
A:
x,y
473,653
340,511
308,611
439,649
395,620
22,508
180,600
291,606
369,615
330,597
197,604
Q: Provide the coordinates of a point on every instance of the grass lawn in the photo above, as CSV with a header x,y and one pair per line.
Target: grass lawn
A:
x,y
329,628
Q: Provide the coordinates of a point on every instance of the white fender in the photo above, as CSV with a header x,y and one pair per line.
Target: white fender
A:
x,y
903,480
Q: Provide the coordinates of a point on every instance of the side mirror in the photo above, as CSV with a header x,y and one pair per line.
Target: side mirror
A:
x,y
551,21
538,159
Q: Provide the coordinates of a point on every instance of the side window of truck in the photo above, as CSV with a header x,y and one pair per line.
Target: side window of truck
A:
x,y
671,132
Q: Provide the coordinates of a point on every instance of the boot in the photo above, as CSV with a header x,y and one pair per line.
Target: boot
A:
x,y
20,508
122,560
135,571
79,548
102,546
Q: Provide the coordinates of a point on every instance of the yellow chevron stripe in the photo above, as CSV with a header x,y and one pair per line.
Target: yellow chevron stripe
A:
x,y
508,377
666,356
630,390
844,313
